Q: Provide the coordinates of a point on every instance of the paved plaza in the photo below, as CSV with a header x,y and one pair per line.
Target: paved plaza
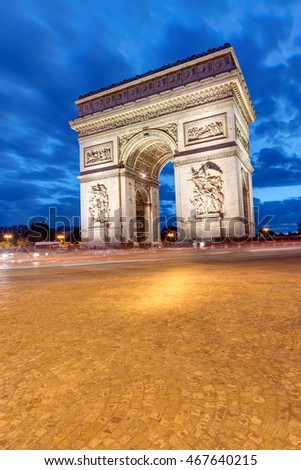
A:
x,y
174,350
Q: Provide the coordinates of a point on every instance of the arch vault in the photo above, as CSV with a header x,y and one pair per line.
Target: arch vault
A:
x,y
195,113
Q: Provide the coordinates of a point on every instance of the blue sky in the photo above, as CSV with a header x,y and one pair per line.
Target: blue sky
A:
x,y
52,52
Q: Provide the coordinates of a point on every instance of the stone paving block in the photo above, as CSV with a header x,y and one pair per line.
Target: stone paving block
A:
x,y
171,356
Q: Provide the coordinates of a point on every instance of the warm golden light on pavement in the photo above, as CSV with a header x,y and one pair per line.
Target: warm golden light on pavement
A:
x,y
192,353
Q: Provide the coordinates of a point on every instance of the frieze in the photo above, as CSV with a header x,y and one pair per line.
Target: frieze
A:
x,y
206,129
97,154
169,106
158,84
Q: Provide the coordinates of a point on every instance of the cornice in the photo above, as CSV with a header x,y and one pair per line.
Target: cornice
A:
x,y
160,82
97,124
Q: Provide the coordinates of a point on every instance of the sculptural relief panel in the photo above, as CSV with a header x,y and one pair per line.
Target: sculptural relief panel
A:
x,y
208,197
98,154
204,130
99,203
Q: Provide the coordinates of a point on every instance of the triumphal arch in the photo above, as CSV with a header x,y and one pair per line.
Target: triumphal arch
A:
x,y
195,113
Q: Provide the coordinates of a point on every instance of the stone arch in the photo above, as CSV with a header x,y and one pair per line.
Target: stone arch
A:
x,y
148,151
142,193
192,112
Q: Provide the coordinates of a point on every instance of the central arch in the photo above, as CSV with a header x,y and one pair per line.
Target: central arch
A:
x,y
144,155
148,151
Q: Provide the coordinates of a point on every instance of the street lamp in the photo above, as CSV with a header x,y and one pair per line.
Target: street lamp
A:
x,y
8,237
61,238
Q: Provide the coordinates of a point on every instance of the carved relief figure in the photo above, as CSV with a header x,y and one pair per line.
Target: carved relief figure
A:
x,y
208,197
99,203
212,129
98,154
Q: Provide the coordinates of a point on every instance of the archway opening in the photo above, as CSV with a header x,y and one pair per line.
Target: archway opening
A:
x,y
167,201
148,161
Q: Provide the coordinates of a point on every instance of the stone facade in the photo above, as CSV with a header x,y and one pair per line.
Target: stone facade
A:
x,y
196,114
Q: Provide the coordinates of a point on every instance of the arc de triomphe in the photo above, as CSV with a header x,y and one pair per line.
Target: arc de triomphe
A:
x,y
195,113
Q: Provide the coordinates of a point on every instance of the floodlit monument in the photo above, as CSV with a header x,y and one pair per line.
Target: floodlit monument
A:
x,y
195,113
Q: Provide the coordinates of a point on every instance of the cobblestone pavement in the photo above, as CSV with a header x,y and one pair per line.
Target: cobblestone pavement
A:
x,y
201,353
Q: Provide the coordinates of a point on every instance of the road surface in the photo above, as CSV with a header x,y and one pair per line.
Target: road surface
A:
x,y
174,350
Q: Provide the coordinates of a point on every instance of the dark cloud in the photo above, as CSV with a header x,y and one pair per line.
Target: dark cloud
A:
x,y
275,168
52,52
14,190
274,82
283,215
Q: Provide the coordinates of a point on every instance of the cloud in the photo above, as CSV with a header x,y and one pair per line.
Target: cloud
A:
x,y
273,167
285,214
52,52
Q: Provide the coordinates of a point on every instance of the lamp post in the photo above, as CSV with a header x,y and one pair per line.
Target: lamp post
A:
x,y
8,237
61,238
